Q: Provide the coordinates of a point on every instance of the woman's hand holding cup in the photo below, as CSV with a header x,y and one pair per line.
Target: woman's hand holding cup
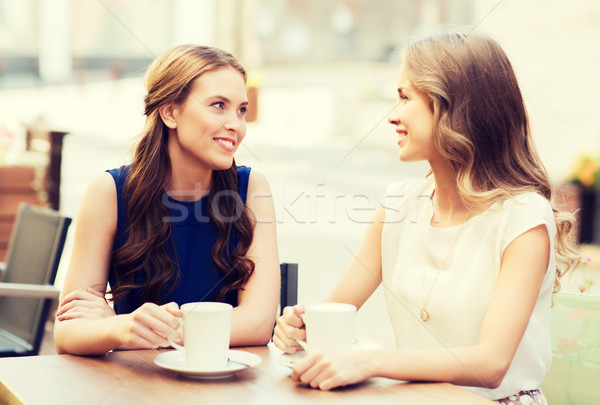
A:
x,y
149,326
289,330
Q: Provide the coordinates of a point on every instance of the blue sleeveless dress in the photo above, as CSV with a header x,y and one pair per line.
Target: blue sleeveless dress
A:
x,y
193,237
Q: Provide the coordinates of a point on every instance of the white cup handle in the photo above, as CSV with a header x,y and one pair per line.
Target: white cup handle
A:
x,y
303,344
176,345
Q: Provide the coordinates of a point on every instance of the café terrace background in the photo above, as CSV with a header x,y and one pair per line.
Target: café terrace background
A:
x,y
325,71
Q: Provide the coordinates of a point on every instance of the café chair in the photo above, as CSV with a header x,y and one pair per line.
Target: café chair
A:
x,y
27,291
574,378
288,295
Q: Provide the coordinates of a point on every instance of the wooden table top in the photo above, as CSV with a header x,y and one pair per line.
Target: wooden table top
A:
x,y
131,377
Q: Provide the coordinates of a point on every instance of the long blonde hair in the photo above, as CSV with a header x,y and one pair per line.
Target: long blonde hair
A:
x,y
481,125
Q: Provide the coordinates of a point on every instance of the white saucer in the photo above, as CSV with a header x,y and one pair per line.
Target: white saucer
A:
x,y
288,360
238,361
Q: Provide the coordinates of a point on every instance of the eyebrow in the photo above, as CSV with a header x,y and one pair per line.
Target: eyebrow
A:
x,y
225,99
407,91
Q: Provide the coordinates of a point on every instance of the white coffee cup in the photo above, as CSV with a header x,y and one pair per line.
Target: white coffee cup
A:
x,y
206,332
329,326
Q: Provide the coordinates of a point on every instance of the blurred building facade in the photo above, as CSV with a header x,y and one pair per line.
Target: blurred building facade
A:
x,y
553,45
58,39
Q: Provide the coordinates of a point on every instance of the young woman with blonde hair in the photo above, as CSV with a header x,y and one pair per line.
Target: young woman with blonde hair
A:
x,y
181,223
469,256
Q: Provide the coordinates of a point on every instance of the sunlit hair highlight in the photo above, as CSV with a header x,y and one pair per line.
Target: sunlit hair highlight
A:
x,y
169,80
481,125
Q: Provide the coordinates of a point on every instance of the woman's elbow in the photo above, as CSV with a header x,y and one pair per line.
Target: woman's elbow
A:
x,y
69,340
59,338
60,349
264,333
494,373
263,339
257,333
62,343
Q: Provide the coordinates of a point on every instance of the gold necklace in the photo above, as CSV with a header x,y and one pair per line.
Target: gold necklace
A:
x,y
424,314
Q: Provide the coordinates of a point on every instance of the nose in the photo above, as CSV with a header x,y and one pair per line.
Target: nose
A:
x,y
393,116
233,122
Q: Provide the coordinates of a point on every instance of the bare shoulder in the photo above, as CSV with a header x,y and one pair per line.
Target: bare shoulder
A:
x,y
260,198
102,185
258,183
100,198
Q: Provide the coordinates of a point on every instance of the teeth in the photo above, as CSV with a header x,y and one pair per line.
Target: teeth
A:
x,y
225,142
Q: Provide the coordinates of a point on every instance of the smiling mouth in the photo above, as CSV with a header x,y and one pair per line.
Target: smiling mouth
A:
x,y
226,144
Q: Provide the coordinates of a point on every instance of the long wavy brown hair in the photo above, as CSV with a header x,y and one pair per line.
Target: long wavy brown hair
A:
x,y
481,125
169,80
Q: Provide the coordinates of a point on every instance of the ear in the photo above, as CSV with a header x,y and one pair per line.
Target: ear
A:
x,y
166,114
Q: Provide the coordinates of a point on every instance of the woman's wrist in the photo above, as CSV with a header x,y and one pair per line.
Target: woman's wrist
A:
x,y
115,331
385,363
374,361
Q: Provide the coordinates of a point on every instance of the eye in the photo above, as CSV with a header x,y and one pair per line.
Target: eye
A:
x,y
402,95
219,104
242,110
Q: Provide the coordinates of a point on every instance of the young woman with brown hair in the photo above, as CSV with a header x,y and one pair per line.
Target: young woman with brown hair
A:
x,y
181,223
470,255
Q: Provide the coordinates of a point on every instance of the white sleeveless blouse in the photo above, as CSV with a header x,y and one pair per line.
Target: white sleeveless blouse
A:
x,y
458,269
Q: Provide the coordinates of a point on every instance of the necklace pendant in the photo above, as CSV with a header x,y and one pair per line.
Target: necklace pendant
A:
x,y
424,314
